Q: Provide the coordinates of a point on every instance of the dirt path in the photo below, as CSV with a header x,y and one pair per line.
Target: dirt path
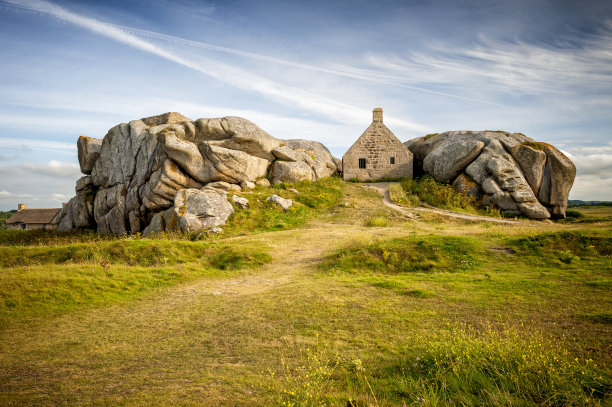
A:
x,y
383,189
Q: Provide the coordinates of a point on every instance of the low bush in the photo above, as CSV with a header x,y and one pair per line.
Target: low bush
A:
x,y
444,196
435,253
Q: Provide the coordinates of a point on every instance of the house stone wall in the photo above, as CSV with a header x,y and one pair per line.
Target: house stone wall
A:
x,y
377,145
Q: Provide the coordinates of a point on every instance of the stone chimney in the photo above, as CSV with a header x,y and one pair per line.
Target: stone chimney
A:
x,y
377,115
21,206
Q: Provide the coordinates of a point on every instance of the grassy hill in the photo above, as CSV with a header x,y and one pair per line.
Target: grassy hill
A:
x,y
340,301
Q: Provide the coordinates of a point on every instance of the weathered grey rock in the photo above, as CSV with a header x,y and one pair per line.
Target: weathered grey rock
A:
x,y
262,182
241,202
338,163
449,159
160,190
77,213
465,185
210,232
282,202
234,166
120,147
510,168
221,185
560,173
324,163
187,155
165,118
531,162
88,150
211,129
247,137
247,185
291,171
285,153
199,210
83,183
138,168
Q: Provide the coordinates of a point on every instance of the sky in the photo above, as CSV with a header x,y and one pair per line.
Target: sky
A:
x,y
301,69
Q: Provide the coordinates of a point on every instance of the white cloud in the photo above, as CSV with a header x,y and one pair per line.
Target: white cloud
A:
x,y
225,73
53,168
60,197
517,66
32,144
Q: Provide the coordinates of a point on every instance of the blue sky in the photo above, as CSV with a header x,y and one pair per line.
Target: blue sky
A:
x,y
301,70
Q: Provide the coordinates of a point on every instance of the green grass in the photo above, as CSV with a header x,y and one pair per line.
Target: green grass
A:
x,y
588,214
427,312
405,255
310,200
535,145
41,280
444,196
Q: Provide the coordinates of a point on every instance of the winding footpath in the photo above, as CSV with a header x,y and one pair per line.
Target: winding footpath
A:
x,y
383,189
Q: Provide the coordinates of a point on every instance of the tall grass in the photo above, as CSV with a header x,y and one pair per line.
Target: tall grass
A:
x,y
455,365
444,196
403,255
512,366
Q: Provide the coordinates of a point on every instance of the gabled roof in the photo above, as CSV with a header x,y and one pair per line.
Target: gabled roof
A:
x,y
34,216
376,128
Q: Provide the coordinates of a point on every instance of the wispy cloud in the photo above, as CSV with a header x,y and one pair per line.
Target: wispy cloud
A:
x,y
34,144
515,67
52,169
225,73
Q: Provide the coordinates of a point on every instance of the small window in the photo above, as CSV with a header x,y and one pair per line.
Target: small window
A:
x,y
392,160
362,163
23,226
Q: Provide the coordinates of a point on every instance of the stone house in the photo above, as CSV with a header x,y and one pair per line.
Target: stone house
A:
x,y
31,219
377,154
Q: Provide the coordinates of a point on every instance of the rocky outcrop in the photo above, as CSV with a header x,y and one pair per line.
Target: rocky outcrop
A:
x,y
170,173
280,201
509,170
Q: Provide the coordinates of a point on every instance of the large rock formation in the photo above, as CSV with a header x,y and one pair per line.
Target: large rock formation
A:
x,y
162,173
510,170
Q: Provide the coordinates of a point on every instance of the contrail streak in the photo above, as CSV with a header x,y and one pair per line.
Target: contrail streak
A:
x,y
355,73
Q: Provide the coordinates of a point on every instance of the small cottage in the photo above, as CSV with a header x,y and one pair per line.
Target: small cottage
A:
x,y
30,219
377,154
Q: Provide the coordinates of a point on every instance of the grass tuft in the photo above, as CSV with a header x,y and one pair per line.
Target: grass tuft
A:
x,y
444,196
406,255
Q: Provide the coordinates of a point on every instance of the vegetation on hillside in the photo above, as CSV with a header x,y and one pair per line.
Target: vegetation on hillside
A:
x,y
309,199
41,280
444,196
360,307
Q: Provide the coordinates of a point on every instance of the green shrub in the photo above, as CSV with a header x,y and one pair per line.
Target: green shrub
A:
x,y
401,255
574,214
397,194
444,196
377,221
565,245
535,145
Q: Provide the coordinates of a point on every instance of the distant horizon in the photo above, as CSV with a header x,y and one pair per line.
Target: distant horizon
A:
x,y
312,70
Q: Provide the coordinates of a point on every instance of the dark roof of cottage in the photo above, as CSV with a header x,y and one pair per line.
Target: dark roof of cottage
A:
x,y
34,216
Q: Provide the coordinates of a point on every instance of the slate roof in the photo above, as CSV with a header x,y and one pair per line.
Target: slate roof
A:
x,y
34,216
